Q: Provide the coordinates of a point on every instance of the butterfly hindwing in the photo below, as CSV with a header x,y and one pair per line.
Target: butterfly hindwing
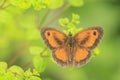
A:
x,y
60,55
80,56
89,38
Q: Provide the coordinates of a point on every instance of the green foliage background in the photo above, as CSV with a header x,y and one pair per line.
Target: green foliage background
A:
x,y
23,54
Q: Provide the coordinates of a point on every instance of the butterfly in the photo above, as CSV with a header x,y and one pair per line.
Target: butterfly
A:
x,y
72,51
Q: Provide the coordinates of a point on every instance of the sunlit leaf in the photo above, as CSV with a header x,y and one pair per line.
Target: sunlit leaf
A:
x,y
39,4
35,72
17,71
24,4
96,52
64,22
3,67
31,75
39,63
33,78
12,76
28,73
75,18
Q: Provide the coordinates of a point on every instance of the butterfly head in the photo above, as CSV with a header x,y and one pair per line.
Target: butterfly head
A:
x,y
70,34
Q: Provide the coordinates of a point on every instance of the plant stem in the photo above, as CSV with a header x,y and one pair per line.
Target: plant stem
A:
x,y
44,18
3,3
41,54
58,14
37,19
27,64
38,22
17,55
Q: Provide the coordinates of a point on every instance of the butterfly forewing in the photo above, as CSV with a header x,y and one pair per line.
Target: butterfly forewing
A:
x,y
53,38
89,38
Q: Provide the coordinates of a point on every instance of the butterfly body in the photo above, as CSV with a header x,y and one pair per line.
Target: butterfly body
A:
x,y
70,40
72,50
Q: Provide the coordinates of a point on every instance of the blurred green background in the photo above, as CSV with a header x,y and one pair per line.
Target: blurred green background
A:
x,y
19,31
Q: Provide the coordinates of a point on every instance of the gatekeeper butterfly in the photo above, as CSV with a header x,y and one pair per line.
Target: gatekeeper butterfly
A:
x,y
72,50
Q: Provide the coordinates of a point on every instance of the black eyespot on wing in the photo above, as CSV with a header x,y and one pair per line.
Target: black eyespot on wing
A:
x,y
48,33
94,33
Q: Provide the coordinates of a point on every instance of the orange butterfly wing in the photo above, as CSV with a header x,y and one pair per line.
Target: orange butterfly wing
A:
x,y
86,40
89,38
56,40
53,38
60,55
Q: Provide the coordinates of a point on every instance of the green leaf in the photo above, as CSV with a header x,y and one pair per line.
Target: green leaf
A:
x,y
39,4
64,22
23,4
34,50
39,63
17,71
53,4
14,2
33,78
12,76
28,73
96,52
75,18
76,3
35,72
13,73
3,67
70,25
